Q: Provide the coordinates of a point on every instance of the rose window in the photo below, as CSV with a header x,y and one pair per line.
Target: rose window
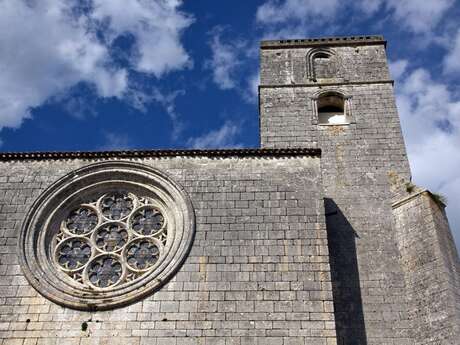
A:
x,y
98,252
106,235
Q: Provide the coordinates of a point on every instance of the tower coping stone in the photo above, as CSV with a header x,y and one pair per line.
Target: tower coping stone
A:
x,y
413,196
323,41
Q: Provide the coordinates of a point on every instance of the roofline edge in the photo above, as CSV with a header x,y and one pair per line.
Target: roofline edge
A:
x,y
38,156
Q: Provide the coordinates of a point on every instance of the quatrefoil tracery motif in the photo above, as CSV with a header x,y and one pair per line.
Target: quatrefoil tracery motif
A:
x,y
147,220
108,241
111,237
116,206
105,271
142,254
73,253
81,220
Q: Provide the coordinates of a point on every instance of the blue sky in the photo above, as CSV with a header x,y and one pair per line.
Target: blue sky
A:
x,y
100,75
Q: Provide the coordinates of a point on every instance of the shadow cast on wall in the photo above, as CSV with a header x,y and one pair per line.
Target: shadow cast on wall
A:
x,y
348,307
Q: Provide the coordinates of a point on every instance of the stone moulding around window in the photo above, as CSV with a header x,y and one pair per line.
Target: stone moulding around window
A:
x,y
106,235
310,60
348,106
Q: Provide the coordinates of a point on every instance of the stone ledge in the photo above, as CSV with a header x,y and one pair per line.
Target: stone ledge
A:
x,y
413,196
13,156
268,86
405,200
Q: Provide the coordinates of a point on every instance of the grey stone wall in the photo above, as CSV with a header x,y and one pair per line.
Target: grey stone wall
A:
x,y
378,298
287,251
432,269
365,63
258,271
373,139
359,162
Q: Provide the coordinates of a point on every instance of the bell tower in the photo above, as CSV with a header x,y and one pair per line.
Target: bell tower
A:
x,y
336,94
328,93
394,268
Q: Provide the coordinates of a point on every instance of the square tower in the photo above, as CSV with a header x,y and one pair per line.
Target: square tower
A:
x,y
336,94
386,237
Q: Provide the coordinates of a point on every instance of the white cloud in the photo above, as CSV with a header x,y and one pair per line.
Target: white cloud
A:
x,y
115,141
370,6
139,98
430,118
224,137
253,87
296,18
42,51
156,25
229,62
46,48
299,16
397,68
415,15
168,103
452,60
225,61
273,12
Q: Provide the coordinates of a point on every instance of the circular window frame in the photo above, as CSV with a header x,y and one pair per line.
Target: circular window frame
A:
x,y
35,252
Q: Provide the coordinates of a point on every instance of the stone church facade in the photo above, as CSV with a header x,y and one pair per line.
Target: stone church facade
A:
x,y
317,237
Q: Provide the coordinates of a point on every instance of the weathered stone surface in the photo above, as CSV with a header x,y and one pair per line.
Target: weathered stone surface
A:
x,y
260,249
431,269
368,284
289,249
364,167
289,66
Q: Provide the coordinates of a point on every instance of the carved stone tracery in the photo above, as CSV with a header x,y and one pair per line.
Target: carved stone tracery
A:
x,y
106,235
106,240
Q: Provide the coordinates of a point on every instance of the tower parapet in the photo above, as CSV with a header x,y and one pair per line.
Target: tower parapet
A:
x,y
334,60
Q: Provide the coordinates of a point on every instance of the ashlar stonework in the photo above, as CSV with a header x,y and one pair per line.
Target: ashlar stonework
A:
x,y
106,234
318,237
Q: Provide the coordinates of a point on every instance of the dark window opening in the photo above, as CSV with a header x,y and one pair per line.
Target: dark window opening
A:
x,y
331,109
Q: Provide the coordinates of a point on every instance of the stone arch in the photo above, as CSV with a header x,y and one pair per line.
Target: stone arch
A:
x,y
332,104
91,193
321,64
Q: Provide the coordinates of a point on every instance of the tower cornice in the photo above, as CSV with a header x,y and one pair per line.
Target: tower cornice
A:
x,y
323,41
